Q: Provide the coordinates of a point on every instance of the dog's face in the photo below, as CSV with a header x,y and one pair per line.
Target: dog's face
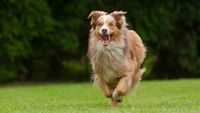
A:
x,y
107,26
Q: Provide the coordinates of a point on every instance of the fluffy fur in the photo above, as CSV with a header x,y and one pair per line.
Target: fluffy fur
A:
x,y
115,53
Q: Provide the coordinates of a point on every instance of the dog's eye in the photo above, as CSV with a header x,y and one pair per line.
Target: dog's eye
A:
x,y
111,24
99,24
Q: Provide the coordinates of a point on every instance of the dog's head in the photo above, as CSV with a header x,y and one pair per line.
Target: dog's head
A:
x,y
107,26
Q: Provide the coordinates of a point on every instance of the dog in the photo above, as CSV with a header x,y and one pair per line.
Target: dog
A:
x,y
115,53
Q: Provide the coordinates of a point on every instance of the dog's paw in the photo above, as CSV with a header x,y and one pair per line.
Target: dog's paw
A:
x,y
115,102
116,97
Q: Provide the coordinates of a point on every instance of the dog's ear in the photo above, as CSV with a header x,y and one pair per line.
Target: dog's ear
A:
x,y
119,17
94,15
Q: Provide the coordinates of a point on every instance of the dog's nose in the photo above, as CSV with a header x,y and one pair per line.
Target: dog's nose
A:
x,y
104,31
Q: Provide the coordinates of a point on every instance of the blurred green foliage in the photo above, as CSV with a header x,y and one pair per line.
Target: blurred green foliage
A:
x,y
47,39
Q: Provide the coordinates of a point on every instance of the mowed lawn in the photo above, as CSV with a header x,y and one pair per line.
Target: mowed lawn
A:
x,y
175,96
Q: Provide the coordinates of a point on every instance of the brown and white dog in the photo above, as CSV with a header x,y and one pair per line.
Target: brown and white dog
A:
x,y
115,53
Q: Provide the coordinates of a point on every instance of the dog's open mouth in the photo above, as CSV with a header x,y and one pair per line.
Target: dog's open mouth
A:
x,y
106,39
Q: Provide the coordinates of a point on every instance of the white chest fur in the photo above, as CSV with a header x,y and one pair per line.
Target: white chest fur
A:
x,y
108,62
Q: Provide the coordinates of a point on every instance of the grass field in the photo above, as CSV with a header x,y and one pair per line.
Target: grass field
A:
x,y
178,96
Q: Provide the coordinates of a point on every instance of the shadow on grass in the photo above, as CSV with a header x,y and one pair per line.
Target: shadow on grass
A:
x,y
99,105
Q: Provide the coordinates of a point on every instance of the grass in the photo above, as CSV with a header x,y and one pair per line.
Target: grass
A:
x,y
177,96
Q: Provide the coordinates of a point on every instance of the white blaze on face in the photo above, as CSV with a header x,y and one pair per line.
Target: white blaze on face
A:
x,y
105,24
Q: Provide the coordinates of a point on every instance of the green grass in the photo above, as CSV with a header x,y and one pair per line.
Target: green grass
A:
x,y
178,96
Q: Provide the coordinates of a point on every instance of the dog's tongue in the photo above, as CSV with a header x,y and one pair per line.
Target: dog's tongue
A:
x,y
106,39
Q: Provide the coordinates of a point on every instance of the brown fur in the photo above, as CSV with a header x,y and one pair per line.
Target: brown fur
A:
x,y
117,66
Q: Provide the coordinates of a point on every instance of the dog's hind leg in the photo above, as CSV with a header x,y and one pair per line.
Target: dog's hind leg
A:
x,y
138,76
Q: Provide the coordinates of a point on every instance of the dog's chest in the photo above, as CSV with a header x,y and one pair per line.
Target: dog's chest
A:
x,y
109,62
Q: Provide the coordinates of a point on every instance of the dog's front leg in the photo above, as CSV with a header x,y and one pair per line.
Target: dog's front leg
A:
x,y
124,85
122,88
104,87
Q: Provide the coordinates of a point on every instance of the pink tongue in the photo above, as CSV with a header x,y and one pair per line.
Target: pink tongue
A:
x,y
106,40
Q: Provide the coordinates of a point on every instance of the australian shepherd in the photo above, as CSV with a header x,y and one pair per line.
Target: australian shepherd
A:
x,y
115,53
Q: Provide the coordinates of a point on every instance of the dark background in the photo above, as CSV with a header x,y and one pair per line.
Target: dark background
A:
x,y
46,40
